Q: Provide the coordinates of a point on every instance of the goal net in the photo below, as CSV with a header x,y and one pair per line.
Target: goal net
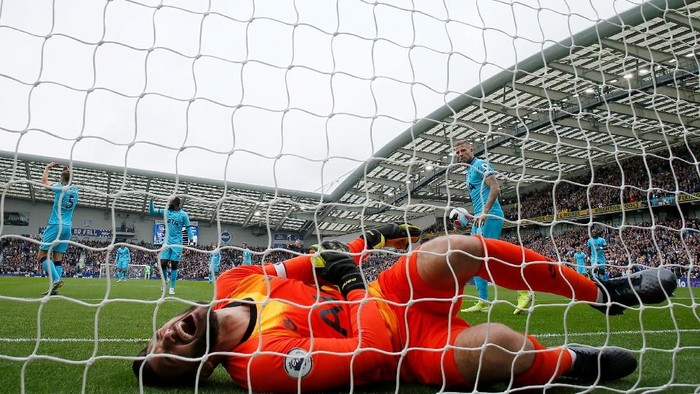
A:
x,y
135,271
281,124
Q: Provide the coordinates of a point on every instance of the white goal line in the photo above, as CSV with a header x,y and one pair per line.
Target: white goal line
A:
x,y
542,335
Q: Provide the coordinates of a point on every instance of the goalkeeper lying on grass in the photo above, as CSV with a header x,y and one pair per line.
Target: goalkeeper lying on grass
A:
x,y
311,323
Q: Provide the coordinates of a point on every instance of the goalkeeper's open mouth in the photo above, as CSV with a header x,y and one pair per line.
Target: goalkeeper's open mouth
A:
x,y
186,328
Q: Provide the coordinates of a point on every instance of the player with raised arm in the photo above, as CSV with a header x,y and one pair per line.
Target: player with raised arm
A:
x,y
122,260
247,257
176,219
214,260
580,260
311,323
484,189
597,246
54,241
297,246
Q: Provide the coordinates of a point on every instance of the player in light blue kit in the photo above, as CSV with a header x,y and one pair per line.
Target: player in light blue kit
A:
x,y
580,258
54,241
247,258
214,260
484,189
123,259
597,246
176,219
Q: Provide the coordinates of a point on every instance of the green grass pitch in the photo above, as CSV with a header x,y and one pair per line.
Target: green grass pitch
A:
x,y
88,333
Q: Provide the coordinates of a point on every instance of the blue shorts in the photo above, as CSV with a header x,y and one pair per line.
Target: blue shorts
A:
x,y
122,265
171,253
581,269
51,235
490,229
214,267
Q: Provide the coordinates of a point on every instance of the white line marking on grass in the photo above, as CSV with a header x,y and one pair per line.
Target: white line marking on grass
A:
x,y
74,340
599,333
542,335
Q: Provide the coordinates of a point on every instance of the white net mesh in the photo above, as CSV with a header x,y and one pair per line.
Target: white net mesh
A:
x,y
317,118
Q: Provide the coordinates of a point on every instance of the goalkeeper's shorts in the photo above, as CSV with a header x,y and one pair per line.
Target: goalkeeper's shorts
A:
x,y
431,324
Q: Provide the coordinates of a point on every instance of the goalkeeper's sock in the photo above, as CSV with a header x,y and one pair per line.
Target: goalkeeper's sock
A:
x,y
548,364
59,269
173,278
50,269
504,267
482,288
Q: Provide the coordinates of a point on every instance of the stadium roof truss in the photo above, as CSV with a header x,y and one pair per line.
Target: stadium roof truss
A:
x,y
626,86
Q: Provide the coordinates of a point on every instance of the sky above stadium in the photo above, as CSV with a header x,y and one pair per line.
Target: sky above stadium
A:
x,y
284,94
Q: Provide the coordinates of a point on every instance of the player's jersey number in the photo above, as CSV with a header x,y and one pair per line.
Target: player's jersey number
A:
x,y
69,203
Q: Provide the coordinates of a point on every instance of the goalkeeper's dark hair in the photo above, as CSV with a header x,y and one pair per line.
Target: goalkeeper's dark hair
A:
x,y
175,204
149,377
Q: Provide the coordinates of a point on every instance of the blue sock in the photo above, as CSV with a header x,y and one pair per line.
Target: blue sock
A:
x,y
50,270
59,269
173,278
482,288
120,275
210,277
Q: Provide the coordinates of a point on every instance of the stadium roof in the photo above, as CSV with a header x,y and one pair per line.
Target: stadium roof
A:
x,y
626,86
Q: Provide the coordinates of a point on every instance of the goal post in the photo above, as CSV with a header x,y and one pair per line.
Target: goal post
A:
x,y
135,271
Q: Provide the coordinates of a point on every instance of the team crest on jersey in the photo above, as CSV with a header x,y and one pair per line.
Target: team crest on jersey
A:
x,y
298,363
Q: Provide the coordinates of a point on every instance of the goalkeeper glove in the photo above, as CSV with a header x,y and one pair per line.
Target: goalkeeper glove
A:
x,y
328,245
392,235
339,269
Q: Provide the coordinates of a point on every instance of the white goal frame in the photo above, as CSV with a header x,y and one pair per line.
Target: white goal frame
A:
x,y
136,271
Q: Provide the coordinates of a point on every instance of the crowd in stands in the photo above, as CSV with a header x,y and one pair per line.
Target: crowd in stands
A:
x,y
667,243
650,179
670,243
18,257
